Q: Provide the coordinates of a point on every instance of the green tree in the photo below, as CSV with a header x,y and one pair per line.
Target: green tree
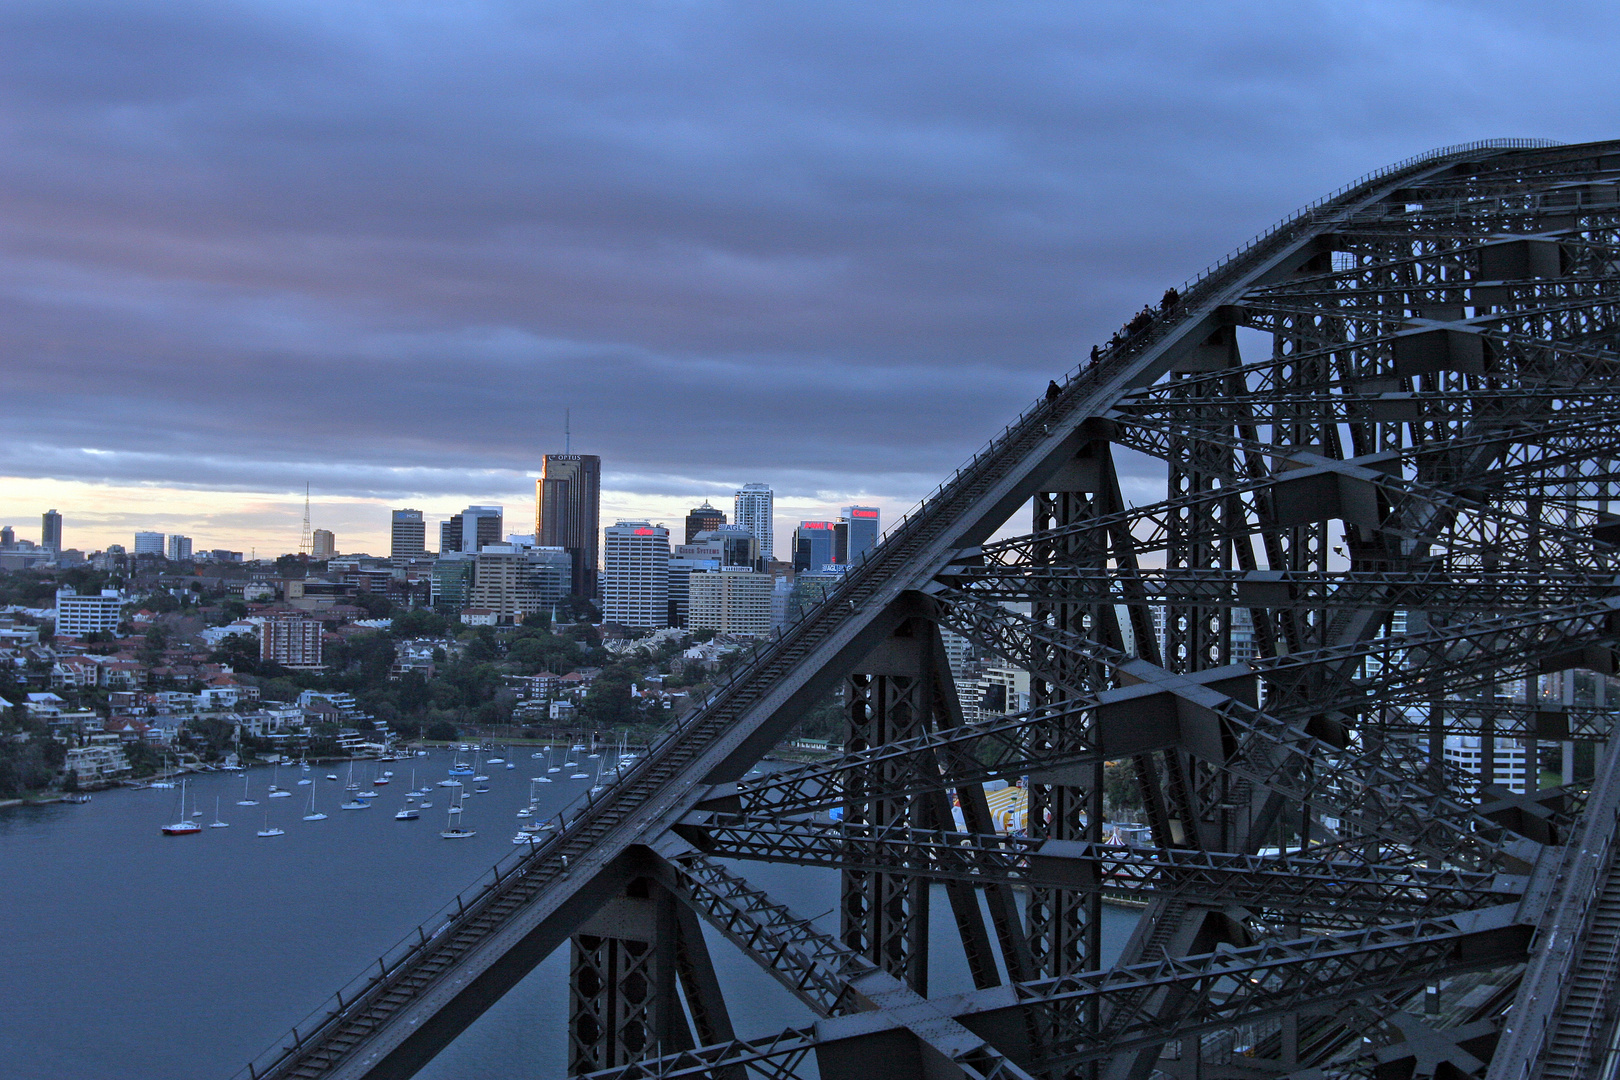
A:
x,y
608,703
422,622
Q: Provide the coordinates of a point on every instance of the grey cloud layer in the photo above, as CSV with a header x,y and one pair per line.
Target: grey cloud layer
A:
x,y
838,243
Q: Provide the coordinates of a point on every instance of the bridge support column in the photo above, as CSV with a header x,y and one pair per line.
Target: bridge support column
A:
x,y
1064,926
884,917
629,963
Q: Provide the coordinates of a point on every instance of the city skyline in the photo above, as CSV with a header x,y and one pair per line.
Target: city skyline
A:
x,y
364,525
847,308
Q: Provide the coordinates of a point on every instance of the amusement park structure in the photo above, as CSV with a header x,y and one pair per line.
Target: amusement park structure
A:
x,y
1379,566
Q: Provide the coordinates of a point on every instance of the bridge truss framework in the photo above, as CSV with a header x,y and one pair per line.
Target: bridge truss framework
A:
x,y
1386,437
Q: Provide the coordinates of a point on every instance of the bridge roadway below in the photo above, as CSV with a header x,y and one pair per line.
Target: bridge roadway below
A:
x,y
427,992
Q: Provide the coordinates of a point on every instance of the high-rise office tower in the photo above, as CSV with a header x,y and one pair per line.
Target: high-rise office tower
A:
x,y
323,544
8,538
686,560
179,547
480,525
857,532
754,510
450,536
635,574
813,545
409,540
734,601
567,513
737,546
452,583
515,580
50,531
702,519
148,543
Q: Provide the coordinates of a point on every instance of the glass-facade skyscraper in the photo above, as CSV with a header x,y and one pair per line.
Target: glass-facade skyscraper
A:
x,y
857,532
814,545
568,513
50,531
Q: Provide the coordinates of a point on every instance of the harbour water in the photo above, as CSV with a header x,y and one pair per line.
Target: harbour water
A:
x,y
128,954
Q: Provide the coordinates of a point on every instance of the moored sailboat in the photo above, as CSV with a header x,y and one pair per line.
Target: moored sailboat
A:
x,y
454,830
182,825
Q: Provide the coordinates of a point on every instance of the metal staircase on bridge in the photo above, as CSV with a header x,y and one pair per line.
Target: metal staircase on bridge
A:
x,y
1377,533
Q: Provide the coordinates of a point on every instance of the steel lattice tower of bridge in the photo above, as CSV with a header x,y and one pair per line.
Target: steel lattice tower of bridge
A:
x,y
1387,432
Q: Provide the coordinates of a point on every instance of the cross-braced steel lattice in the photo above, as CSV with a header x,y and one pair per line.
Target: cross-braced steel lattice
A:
x,y
1340,658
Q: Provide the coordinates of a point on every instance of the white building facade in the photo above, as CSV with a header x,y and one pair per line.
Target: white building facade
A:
x,y
78,615
635,575
731,600
755,507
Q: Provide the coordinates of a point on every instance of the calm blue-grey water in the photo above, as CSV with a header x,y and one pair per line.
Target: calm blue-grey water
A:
x,y
129,954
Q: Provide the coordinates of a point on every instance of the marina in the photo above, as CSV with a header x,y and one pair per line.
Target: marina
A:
x,y
195,994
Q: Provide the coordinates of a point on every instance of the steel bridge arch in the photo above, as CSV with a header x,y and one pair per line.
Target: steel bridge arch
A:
x,y
1384,534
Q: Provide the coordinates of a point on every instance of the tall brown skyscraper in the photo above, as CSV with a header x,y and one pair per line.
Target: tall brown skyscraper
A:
x,y
702,519
567,513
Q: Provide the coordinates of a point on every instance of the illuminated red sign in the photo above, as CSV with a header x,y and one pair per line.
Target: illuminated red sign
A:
x,y
815,524
645,532
863,513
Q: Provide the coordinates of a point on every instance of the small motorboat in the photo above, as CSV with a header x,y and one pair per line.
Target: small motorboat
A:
x,y
355,804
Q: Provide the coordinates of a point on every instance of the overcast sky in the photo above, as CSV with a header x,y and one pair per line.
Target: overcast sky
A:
x,y
380,247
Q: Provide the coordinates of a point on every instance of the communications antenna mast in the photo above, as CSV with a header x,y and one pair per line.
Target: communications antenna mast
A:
x,y
306,541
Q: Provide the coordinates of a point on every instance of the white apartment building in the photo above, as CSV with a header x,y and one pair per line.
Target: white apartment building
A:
x,y
635,575
78,615
1511,763
731,600
102,760
179,547
958,650
148,543
755,506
